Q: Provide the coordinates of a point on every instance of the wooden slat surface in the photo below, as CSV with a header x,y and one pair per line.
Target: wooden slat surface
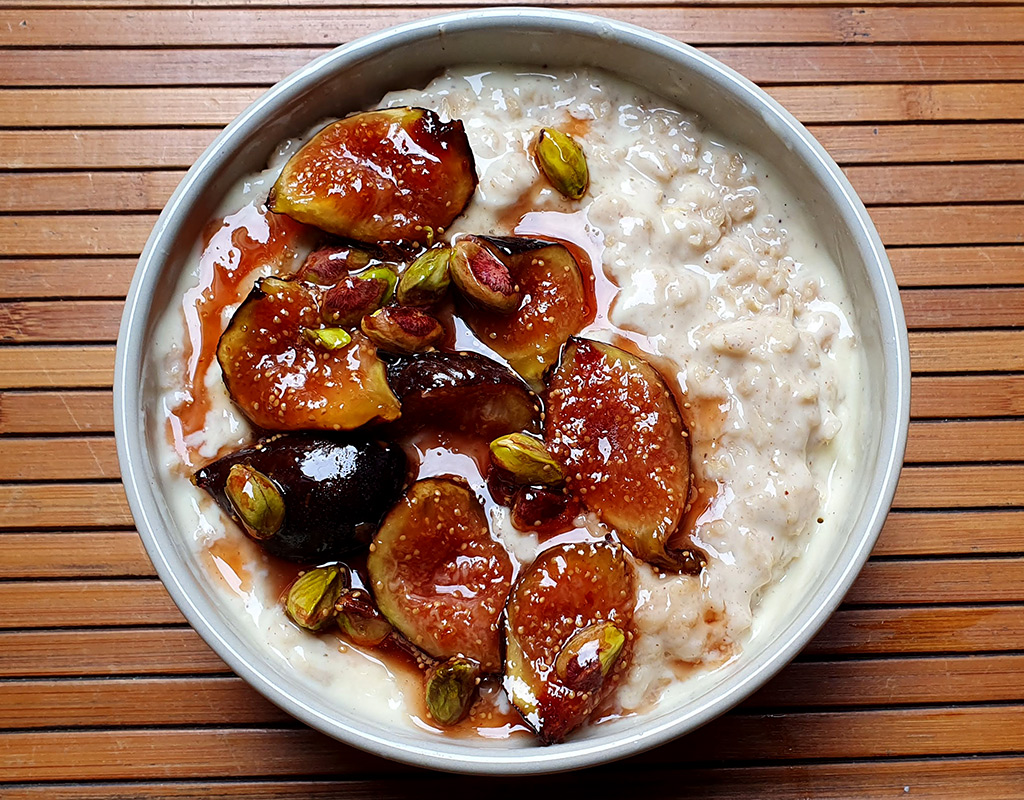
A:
x,y
913,688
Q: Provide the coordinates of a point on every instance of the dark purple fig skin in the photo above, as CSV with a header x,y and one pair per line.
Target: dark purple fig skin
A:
x,y
336,490
464,392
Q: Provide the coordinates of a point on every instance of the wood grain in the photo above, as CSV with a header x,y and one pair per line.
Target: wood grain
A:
x,y
125,234
161,148
891,631
960,487
980,778
967,395
967,351
148,191
56,412
217,106
66,278
944,533
69,554
700,25
111,651
171,753
63,505
989,440
43,321
39,704
957,266
976,580
211,66
53,367
963,308
86,603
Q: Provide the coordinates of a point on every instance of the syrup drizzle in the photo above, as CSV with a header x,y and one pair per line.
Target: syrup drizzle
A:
x,y
254,242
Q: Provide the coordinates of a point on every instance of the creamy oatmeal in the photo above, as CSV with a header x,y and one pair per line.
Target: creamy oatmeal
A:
x,y
701,261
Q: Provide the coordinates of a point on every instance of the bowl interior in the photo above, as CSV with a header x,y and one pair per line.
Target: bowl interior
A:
x,y
355,77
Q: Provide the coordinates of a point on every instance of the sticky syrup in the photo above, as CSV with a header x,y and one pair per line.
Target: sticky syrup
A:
x,y
254,242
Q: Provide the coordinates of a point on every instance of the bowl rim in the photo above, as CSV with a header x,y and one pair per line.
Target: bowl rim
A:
x,y
142,495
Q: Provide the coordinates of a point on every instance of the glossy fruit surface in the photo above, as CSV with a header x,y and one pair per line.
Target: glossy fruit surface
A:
x,y
335,489
613,424
464,392
552,305
439,576
283,379
568,589
386,175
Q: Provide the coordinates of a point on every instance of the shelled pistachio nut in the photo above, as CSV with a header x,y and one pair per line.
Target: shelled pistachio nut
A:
x,y
256,500
526,459
451,689
563,162
312,598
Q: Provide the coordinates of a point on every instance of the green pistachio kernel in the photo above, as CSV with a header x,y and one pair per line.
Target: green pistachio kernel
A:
x,y
563,162
451,689
256,499
312,598
427,278
527,459
587,658
327,338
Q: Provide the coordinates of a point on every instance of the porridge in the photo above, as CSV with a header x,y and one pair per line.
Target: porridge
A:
x,y
637,403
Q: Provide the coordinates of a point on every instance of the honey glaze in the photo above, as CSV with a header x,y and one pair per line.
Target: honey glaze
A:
x,y
245,245
254,243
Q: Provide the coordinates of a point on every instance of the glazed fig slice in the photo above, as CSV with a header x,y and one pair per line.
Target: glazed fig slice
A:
x,y
286,375
552,307
464,392
386,175
568,635
614,426
308,497
439,576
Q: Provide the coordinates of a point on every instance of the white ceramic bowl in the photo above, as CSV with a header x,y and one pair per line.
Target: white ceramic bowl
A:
x,y
355,76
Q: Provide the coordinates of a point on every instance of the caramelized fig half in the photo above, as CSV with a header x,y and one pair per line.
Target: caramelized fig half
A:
x,y
463,392
334,490
285,379
614,426
552,305
386,175
568,635
439,576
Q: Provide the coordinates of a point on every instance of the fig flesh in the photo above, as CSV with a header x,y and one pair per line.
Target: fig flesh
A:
x,y
552,305
551,677
614,425
439,576
463,392
283,378
335,490
386,175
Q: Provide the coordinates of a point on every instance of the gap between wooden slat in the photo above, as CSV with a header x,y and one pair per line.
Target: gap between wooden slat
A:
x,y
95,457
140,601
201,106
43,704
118,554
69,278
977,778
161,754
699,25
266,65
161,148
179,650
22,192
126,234
95,321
